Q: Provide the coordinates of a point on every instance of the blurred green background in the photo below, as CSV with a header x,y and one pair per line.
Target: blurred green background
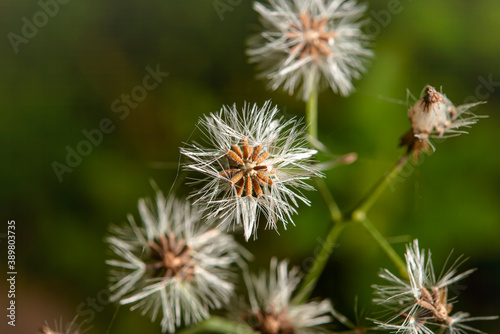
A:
x,y
63,80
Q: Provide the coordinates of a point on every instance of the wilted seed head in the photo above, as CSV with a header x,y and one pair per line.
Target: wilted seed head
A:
x,y
435,116
432,113
310,43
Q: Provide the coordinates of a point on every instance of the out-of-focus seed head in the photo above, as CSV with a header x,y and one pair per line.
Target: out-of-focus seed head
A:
x,y
310,43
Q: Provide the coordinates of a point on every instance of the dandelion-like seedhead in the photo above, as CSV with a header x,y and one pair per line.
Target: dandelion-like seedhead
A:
x,y
256,163
435,116
310,43
268,309
171,264
422,304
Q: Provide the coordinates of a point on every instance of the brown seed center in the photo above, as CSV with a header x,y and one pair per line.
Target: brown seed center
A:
x,y
311,37
248,169
270,322
171,257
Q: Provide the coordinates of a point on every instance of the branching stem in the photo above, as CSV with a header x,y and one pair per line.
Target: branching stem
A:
x,y
339,221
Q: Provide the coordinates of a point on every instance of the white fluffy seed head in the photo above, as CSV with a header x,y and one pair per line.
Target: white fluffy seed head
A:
x,y
143,271
422,304
255,163
268,301
310,43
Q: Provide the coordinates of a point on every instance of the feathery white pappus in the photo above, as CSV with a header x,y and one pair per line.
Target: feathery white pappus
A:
x,y
255,163
310,43
422,305
171,264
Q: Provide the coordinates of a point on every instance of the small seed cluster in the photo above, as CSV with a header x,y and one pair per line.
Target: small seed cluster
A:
x,y
311,37
172,258
248,168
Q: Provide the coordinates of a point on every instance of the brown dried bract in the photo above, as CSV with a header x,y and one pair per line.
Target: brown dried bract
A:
x,y
173,258
414,144
436,303
247,171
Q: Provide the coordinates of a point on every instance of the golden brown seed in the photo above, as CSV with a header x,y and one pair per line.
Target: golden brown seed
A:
x,y
259,168
248,186
262,158
239,187
264,179
236,149
247,150
256,187
325,50
256,152
305,18
229,172
237,177
234,158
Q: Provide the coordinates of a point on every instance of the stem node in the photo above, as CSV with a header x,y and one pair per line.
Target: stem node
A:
x,y
359,215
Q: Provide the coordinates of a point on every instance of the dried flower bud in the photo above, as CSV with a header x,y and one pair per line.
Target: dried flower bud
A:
x,y
435,116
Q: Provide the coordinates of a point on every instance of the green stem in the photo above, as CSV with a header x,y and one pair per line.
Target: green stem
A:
x,y
320,261
219,325
384,244
312,113
312,120
339,222
366,203
335,213
358,214
313,275
113,320
360,211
